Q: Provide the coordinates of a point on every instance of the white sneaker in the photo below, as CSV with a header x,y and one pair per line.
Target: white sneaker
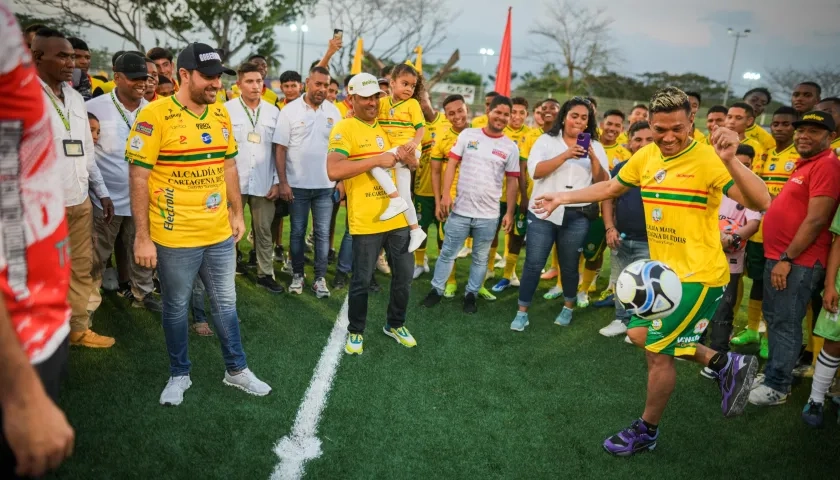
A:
x,y
247,382
110,280
615,328
382,265
395,207
319,288
627,340
418,270
465,252
582,300
764,396
426,264
514,280
173,392
500,262
297,284
416,238
757,381
287,267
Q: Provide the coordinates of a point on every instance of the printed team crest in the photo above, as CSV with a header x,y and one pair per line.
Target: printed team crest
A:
x,y
590,247
656,215
225,133
337,137
473,145
212,201
789,166
659,176
136,143
656,324
380,142
701,326
391,113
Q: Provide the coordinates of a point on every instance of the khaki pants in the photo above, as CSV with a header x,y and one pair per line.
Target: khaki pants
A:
x,y
262,214
80,227
105,237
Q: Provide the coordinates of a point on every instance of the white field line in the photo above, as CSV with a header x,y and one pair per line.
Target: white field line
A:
x,y
301,444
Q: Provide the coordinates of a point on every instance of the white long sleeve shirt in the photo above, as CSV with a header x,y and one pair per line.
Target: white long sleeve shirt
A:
x,y
255,161
78,173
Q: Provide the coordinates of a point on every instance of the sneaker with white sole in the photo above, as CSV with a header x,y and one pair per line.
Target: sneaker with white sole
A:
x,y
764,396
519,322
297,284
354,345
582,300
416,238
319,288
396,206
464,252
418,270
500,262
401,335
615,328
247,382
555,292
514,280
287,267
173,392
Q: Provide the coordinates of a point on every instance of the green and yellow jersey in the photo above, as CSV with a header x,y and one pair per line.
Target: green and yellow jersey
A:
x,y
400,119
775,172
440,153
616,153
423,175
479,122
762,136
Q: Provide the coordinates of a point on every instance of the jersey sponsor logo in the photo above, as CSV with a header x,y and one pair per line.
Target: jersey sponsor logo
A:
x,y
202,126
166,206
500,153
472,145
337,137
145,128
136,143
212,202
380,142
701,326
172,115
206,138
789,166
659,176
797,180
684,175
656,215
226,133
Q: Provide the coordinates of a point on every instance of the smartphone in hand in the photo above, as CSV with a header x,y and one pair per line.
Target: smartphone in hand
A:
x,y
584,140
338,33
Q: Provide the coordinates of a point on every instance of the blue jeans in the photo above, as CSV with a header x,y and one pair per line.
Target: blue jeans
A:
x,y
177,268
345,251
628,251
783,312
542,235
458,228
320,202
199,293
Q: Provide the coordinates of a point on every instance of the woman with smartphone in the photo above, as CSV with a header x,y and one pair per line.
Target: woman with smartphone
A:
x,y
566,158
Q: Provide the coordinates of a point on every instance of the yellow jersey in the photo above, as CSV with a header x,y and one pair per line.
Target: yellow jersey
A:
x,y
519,137
681,196
762,136
401,119
103,88
366,200
440,153
775,171
479,122
344,108
758,160
423,175
221,96
698,135
835,145
622,138
616,154
186,154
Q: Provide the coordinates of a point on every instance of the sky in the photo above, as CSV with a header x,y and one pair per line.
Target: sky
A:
x,y
650,35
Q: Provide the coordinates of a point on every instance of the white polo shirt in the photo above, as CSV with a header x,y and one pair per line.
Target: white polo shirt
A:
x,y
253,130
574,174
485,162
305,131
115,122
78,173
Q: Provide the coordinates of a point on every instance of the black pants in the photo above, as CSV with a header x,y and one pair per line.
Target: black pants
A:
x,y
366,250
51,371
724,316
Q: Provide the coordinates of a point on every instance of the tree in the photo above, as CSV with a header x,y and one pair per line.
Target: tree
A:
x,y
693,82
578,36
548,80
783,80
119,17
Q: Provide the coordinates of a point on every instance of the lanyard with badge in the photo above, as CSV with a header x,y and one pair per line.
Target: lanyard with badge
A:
x,y
72,148
253,136
119,109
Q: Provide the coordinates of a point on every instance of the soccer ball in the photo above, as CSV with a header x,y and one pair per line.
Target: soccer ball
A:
x,y
649,289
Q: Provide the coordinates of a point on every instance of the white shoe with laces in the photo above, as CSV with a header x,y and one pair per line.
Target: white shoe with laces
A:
x,y
395,207
764,396
615,328
247,382
418,270
464,252
514,280
416,238
173,392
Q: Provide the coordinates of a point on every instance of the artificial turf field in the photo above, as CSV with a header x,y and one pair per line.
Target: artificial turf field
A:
x,y
474,400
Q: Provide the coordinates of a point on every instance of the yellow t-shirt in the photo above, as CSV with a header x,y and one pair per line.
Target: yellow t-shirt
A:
x,y
623,139
479,122
758,160
777,168
681,196
440,153
186,154
423,175
616,154
103,88
835,145
519,137
221,96
366,200
698,135
400,120
344,108
762,136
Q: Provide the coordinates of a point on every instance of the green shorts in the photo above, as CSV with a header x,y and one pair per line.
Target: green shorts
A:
x,y
520,222
677,334
755,260
596,240
828,326
425,207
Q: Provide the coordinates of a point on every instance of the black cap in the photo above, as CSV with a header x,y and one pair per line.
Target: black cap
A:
x,y
814,117
131,65
204,58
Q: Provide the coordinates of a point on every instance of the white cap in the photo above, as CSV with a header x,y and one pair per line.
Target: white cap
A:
x,y
364,85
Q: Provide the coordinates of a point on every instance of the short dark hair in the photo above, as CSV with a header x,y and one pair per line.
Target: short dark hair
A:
x,y
78,44
159,53
257,55
247,67
642,106
491,94
744,149
116,56
386,70
92,117
453,98
640,125
668,100
834,100
717,109
538,105
290,76
746,106
318,69
593,101
813,84
347,79
48,32
333,80
163,80
520,101
500,100
615,112
33,28
695,95
760,90
552,100
786,110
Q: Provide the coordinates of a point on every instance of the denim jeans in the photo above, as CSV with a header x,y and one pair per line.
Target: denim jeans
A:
x,y
366,250
458,228
320,202
345,251
724,316
542,235
628,251
783,312
177,268
199,293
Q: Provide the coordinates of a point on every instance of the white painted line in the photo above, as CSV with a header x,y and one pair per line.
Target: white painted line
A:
x,y
301,445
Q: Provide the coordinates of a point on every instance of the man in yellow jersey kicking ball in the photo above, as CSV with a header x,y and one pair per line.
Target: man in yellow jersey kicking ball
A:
x,y
683,233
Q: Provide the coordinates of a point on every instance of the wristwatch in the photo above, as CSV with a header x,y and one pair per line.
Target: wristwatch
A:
x,y
785,258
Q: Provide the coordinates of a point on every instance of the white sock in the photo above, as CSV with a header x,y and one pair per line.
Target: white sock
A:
x,y
823,376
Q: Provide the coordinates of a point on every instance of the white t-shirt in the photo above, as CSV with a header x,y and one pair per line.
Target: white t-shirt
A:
x,y
485,163
739,215
305,131
574,174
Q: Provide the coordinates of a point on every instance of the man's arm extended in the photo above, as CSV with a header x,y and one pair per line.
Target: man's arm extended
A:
x,y
145,253
234,198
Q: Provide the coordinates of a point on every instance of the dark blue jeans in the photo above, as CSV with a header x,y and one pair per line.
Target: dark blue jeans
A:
x,y
783,312
345,251
320,202
216,265
542,235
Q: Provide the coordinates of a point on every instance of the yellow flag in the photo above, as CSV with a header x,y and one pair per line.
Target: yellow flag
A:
x,y
357,58
418,64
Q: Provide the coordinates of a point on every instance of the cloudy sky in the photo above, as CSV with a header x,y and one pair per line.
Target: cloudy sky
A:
x,y
651,35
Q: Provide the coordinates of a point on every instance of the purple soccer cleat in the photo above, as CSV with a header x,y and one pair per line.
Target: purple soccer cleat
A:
x,y
735,380
634,439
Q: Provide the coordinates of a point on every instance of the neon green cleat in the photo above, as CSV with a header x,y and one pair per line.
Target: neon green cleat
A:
x,y
354,344
606,293
401,335
745,338
764,351
555,292
450,290
485,294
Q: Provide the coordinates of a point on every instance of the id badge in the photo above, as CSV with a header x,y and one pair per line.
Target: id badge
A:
x,y
254,137
73,148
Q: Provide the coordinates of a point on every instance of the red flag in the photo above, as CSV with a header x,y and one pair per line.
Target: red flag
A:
x,y
503,70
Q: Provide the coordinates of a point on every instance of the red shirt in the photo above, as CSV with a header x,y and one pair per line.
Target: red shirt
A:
x,y
34,252
818,176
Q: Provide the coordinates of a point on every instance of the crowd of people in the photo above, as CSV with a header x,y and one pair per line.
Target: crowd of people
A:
x,y
148,176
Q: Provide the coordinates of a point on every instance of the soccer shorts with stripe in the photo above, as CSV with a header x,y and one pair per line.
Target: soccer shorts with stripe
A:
x,y
596,240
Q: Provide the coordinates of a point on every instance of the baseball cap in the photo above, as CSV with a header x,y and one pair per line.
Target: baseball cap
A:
x,y
384,81
131,65
204,58
364,85
814,117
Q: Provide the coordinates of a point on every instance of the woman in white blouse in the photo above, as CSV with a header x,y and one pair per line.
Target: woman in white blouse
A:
x,y
558,164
